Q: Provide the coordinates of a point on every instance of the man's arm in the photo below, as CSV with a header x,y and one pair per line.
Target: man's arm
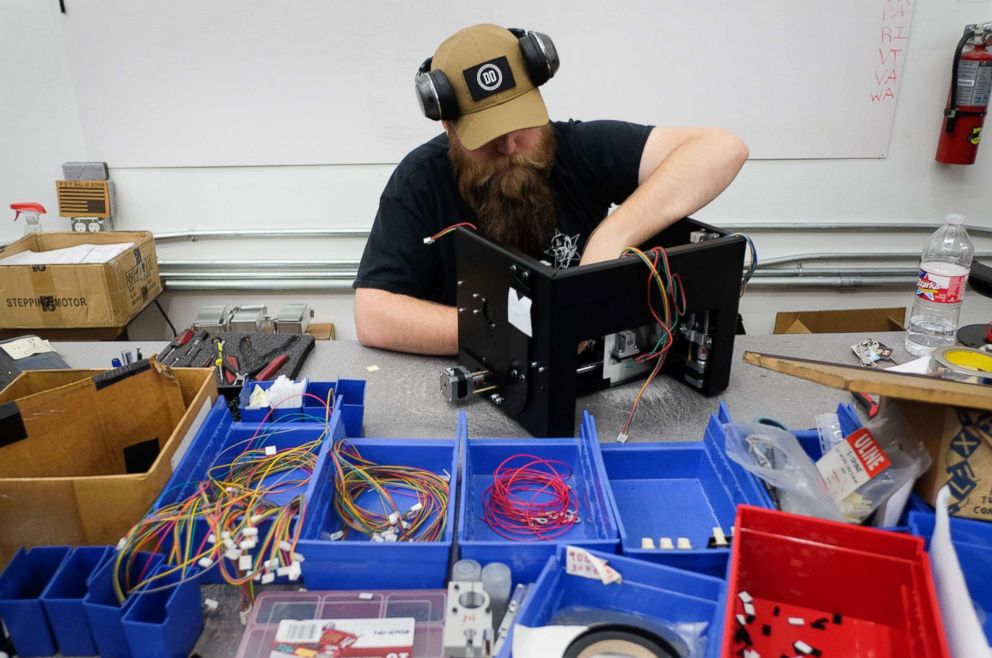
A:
x,y
405,324
681,170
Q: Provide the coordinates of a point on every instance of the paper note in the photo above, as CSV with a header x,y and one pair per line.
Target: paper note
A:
x,y
582,563
19,349
518,311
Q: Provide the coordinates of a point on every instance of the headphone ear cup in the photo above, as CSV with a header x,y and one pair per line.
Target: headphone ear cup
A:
x,y
447,101
436,97
540,57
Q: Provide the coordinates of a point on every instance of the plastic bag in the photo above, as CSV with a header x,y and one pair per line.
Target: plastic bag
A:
x,y
776,457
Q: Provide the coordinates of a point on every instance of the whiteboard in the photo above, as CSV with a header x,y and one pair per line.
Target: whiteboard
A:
x,y
260,82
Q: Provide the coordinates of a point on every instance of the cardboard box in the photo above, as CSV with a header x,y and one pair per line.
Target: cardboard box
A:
x,y
953,419
83,453
75,296
860,320
321,330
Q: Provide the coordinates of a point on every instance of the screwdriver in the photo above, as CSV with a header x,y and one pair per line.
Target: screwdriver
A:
x,y
176,343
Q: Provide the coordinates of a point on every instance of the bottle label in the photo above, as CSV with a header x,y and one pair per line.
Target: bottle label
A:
x,y
940,288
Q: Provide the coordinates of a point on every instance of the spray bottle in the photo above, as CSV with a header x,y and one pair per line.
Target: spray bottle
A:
x,y
32,215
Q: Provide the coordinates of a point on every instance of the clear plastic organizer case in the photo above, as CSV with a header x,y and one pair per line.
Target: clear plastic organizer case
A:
x,y
424,606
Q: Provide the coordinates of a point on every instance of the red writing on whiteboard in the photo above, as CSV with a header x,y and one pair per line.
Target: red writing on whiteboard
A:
x,y
893,33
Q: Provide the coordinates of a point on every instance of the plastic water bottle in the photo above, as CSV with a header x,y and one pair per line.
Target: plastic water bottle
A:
x,y
944,269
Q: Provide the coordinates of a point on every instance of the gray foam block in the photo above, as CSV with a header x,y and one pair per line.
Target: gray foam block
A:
x,y
85,171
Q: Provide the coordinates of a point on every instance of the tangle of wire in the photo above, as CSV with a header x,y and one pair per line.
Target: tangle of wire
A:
x,y
445,231
673,305
752,265
228,515
422,520
530,499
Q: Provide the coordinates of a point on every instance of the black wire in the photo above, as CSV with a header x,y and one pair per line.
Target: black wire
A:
x,y
171,326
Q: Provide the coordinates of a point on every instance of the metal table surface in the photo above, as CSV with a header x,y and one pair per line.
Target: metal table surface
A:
x,y
403,400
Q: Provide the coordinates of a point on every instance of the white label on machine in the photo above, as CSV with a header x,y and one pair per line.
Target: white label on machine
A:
x,y
345,638
851,463
518,311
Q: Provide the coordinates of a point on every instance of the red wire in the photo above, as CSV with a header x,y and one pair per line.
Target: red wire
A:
x,y
521,495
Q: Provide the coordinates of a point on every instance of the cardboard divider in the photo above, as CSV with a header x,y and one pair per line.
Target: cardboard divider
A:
x,y
98,447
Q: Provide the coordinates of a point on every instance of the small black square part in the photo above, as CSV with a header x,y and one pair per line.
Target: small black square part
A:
x,y
766,629
837,618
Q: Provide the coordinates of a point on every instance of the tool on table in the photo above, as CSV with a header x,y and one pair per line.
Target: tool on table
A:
x,y
198,338
219,361
231,369
272,367
867,403
176,343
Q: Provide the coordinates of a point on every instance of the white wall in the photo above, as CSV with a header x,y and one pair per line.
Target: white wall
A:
x,y
906,186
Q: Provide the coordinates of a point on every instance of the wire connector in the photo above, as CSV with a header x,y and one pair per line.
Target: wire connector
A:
x,y
622,437
428,240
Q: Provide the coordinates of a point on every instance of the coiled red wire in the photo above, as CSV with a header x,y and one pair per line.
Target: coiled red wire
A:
x,y
530,499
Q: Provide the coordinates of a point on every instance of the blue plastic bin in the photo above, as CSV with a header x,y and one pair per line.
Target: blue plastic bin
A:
x,y
350,391
106,613
221,439
21,586
654,591
358,563
63,600
678,489
973,542
597,530
166,618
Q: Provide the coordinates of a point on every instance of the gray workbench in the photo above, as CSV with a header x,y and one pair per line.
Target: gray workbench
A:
x,y
403,400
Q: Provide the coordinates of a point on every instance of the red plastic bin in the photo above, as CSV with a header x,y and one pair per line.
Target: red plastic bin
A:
x,y
866,592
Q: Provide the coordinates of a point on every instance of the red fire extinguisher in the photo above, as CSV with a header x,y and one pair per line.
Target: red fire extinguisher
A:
x,y
968,100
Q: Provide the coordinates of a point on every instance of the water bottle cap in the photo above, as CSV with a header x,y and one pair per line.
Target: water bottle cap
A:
x,y
954,219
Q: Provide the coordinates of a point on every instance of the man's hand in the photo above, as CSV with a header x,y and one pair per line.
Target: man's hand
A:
x,y
681,170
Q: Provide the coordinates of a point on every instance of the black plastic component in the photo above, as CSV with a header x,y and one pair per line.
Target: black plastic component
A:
x,y
535,376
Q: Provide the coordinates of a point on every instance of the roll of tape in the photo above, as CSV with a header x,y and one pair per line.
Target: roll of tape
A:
x,y
961,364
620,640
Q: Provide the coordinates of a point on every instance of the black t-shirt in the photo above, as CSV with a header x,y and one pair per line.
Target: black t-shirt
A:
x,y
596,165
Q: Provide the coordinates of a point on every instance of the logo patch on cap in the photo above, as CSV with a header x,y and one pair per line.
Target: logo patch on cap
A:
x,y
489,78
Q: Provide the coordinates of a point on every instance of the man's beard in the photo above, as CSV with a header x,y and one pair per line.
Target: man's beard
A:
x,y
511,197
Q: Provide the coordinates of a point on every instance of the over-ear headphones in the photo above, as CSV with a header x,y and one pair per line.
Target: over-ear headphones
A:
x,y
437,97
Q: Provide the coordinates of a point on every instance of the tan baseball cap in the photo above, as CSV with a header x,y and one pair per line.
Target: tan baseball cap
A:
x,y
495,95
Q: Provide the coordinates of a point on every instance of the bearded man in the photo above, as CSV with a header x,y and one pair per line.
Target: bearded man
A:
x,y
545,188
